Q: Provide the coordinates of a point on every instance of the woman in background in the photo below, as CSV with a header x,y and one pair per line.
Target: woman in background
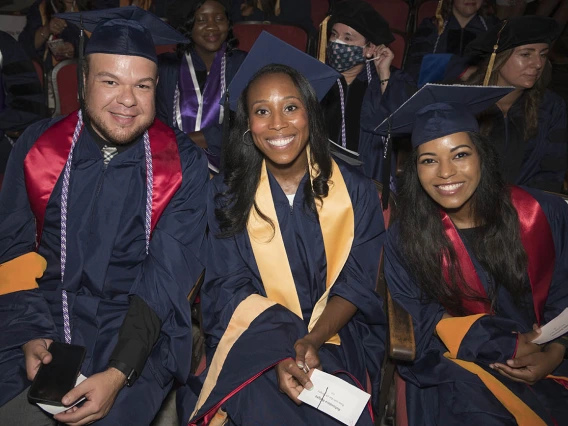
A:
x,y
193,80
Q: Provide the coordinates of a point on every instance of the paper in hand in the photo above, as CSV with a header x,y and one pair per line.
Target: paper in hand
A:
x,y
554,329
335,397
56,409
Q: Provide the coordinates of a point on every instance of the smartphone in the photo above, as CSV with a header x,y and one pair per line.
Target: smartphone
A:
x,y
56,46
55,379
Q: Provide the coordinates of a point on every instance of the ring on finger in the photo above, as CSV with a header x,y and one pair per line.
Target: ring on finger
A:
x,y
306,369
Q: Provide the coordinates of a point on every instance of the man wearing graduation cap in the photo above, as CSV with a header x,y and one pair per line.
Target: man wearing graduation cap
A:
x,y
299,294
476,263
106,208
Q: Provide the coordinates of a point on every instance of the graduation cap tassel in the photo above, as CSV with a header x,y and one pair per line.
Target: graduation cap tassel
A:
x,y
387,169
322,44
492,59
80,77
439,17
226,121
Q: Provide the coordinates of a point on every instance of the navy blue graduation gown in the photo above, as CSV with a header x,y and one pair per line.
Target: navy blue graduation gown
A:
x,y
541,161
106,263
168,67
232,275
453,40
439,392
376,107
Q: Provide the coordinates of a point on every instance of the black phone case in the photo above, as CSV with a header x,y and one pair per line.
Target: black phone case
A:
x,y
55,379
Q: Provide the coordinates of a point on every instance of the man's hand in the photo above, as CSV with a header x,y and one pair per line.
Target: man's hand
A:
x,y
100,390
36,353
292,380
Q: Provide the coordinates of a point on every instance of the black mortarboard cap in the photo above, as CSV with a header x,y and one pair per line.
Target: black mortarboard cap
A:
x,y
438,110
435,111
364,19
126,30
515,32
271,50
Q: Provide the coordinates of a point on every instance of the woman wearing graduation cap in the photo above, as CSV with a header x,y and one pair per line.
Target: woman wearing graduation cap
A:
x,y
479,265
193,80
528,127
294,244
358,40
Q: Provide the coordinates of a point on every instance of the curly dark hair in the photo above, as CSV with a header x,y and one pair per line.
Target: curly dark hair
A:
x,y
242,160
187,27
531,99
424,243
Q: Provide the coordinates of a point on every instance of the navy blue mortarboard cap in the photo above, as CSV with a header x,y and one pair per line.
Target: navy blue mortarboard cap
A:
x,y
270,50
124,31
439,110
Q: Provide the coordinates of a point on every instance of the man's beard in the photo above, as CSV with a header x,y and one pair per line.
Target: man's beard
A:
x,y
123,138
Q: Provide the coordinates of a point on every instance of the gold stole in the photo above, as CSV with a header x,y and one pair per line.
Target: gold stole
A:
x,y
337,223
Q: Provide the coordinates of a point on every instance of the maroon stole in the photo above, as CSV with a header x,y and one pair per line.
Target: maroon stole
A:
x,y
536,238
46,159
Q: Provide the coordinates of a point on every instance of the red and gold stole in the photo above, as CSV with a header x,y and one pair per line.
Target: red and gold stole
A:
x,y
338,229
536,238
43,166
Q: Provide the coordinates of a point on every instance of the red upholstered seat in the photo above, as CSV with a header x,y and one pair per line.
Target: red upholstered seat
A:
x,y
398,47
426,9
64,77
247,33
395,12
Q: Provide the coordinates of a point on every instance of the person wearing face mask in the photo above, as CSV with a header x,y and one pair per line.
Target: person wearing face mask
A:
x,y
358,40
528,127
193,80
456,24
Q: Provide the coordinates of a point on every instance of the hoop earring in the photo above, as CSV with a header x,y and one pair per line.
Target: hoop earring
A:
x,y
244,139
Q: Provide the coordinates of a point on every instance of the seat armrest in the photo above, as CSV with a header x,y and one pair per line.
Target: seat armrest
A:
x,y
402,346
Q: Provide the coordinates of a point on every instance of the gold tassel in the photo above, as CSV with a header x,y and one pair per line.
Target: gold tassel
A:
x,y
439,17
493,55
322,45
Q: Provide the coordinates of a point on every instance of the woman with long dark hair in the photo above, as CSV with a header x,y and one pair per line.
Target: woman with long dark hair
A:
x,y
194,79
527,127
479,265
294,244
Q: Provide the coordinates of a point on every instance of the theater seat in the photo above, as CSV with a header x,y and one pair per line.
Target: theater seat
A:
x,y
165,48
39,71
395,12
426,9
319,11
398,47
400,345
64,77
248,32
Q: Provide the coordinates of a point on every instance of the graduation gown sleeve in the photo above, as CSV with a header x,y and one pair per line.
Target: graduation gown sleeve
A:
x,y
483,338
228,280
547,153
24,315
24,101
174,262
422,43
377,106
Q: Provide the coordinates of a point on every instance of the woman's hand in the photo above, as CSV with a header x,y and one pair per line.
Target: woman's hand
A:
x,y
292,380
307,354
531,368
524,343
383,61
57,25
